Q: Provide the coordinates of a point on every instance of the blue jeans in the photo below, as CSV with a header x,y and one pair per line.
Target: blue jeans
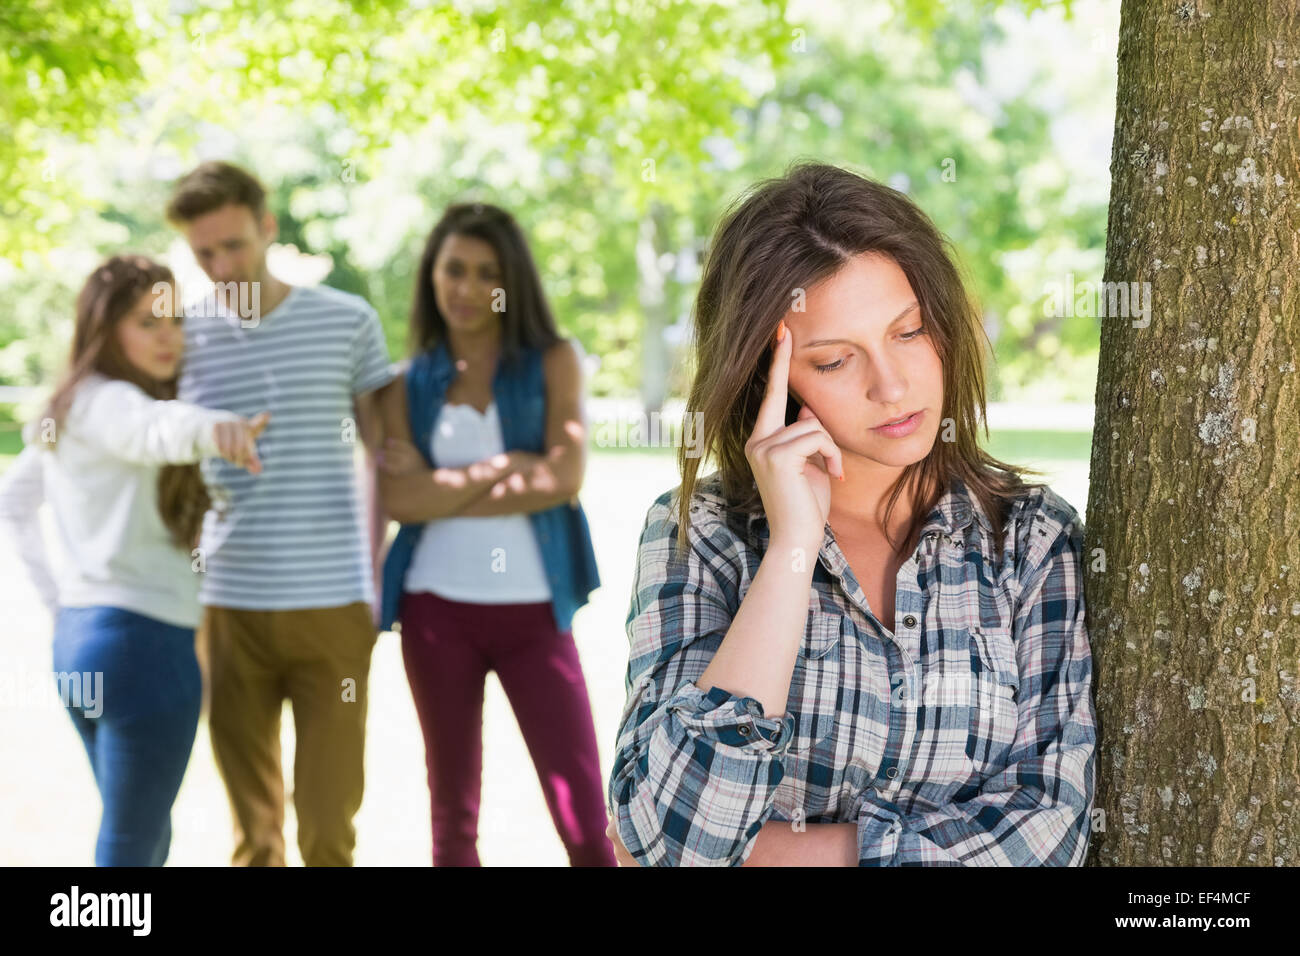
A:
x,y
131,685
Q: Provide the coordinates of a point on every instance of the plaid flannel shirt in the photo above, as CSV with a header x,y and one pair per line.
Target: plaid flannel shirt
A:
x,y
964,737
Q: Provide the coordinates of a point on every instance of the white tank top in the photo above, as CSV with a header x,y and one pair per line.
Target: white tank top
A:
x,y
491,559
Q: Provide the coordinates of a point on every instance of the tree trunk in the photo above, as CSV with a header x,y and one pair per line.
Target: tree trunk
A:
x,y
1193,530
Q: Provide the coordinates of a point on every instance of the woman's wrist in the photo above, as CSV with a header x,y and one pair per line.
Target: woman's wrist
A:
x,y
785,550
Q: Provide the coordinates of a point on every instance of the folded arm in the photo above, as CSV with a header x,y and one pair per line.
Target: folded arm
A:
x,y
544,481
511,483
694,773
409,489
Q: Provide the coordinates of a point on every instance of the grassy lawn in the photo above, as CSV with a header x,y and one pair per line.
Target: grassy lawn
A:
x,y
11,443
1025,447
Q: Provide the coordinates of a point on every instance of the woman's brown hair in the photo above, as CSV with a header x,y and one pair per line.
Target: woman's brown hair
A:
x,y
107,297
790,233
527,321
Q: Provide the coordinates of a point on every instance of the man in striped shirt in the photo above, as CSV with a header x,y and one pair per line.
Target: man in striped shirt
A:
x,y
288,582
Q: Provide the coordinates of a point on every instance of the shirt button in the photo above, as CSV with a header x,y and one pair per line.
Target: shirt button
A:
x,y
744,729
909,621
891,773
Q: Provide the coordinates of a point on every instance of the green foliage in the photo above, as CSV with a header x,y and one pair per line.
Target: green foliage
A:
x,y
589,120
66,73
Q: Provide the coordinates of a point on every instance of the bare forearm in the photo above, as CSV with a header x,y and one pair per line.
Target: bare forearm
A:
x,y
541,483
512,502
370,428
756,658
512,483
376,520
818,844
426,495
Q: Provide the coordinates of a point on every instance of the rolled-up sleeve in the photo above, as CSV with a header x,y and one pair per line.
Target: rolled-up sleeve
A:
x,y
694,773
1036,811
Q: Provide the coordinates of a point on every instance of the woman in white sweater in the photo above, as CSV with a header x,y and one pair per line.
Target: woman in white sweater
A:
x,y
115,456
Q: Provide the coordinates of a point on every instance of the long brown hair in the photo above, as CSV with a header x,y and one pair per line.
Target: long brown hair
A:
x,y
790,233
107,297
527,321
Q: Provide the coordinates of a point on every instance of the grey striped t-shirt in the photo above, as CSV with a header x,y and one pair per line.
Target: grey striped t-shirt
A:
x,y
290,537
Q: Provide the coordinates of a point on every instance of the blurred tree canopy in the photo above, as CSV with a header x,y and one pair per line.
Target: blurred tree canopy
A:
x,y
616,132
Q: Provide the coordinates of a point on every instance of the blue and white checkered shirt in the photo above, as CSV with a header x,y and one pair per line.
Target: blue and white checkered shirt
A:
x,y
965,737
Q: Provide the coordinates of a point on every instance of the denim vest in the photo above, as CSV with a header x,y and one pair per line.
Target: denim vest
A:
x,y
563,537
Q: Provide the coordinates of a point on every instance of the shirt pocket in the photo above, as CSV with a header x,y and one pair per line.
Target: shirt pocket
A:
x,y
994,695
814,696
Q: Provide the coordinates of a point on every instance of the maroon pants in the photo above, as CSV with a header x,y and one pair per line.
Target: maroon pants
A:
x,y
449,647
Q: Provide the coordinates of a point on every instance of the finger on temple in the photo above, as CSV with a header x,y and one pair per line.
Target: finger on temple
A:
x,y
771,413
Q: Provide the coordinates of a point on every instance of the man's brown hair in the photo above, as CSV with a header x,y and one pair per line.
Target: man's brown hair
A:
x,y
212,185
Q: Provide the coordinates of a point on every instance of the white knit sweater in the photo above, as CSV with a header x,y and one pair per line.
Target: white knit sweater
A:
x,y
100,480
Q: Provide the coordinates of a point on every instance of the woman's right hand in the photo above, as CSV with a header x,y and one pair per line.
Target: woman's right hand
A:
x,y
502,465
790,462
237,441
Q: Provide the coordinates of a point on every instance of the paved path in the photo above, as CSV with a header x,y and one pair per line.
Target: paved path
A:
x,y
49,808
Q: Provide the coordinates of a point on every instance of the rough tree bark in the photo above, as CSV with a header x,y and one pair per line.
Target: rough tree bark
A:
x,y
1193,528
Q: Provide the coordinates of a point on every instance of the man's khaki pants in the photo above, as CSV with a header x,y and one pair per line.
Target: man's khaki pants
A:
x,y
320,659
